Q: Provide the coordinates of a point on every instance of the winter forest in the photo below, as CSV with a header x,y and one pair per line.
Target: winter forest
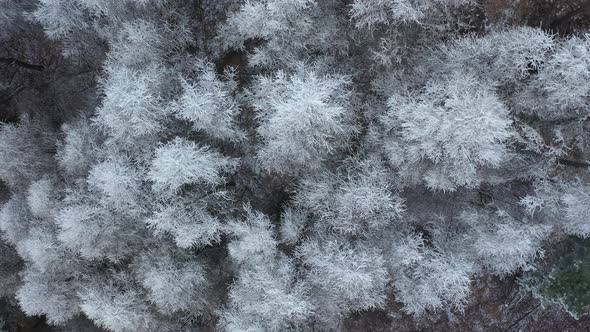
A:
x,y
294,165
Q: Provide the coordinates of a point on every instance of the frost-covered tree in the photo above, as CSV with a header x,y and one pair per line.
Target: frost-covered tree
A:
x,y
266,294
369,13
303,118
451,130
267,298
425,277
182,162
210,103
434,282
359,201
41,197
132,106
187,220
50,295
563,205
292,224
576,201
291,30
501,57
60,17
95,233
118,182
15,219
25,151
79,148
255,242
502,244
50,279
117,304
174,281
566,74
346,277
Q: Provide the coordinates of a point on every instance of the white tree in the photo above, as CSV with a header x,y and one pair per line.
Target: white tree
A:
x,y
451,130
182,162
502,244
302,117
267,298
436,281
371,13
93,228
174,281
41,249
118,182
188,221
255,243
25,151
566,75
501,57
132,106
79,148
52,272
425,278
210,103
47,294
15,219
142,42
41,198
117,305
60,17
560,205
368,13
361,200
266,295
576,201
292,30
348,277
292,224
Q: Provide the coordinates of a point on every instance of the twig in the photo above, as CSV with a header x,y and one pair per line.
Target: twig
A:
x,y
522,317
22,64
